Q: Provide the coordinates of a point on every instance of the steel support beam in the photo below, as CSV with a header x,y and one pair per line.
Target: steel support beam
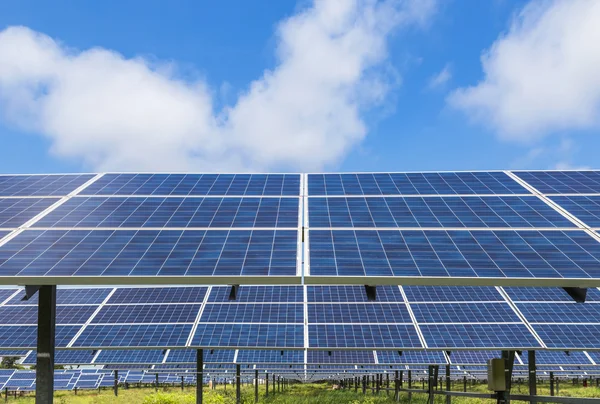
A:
x,y
448,385
267,385
532,376
116,384
238,391
199,374
46,332
256,385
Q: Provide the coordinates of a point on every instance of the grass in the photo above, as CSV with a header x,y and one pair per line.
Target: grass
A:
x,y
296,394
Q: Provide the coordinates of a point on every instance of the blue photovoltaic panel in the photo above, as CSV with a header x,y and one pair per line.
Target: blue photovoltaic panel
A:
x,y
25,336
424,357
41,185
524,294
460,357
16,212
562,182
150,253
143,336
358,313
464,313
338,294
252,313
459,253
6,293
443,183
149,313
560,312
269,356
569,336
158,295
467,212
197,184
478,336
27,315
594,355
452,293
4,233
64,357
189,356
341,357
93,296
150,356
258,294
363,336
11,352
157,212
558,358
585,208
249,335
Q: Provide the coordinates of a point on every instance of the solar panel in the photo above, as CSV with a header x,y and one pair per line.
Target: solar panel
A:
x,y
464,313
569,336
338,294
258,294
149,356
196,184
522,294
158,295
249,336
341,357
64,357
252,313
560,312
150,253
558,358
432,212
148,313
81,296
134,335
210,356
585,208
41,185
479,254
366,336
15,212
358,313
575,355
25,336
443,183
411,357
140,212
478,336
451,293
12,352
562,182
269,356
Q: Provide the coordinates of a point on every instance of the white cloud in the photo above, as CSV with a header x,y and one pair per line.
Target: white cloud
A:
x,y
441,78
115,113
542,75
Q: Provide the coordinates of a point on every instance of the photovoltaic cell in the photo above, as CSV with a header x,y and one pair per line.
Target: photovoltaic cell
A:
x,y
460,253
41,185
143,336
6,293
443,183
464,313
155,212
210,356
358,313
25,336
562,182
558,358
523,294
594,355
460,357
478,336
341,357
252,313
338,294
560,312
449,212
259,356
585,208
410,357
67,296
64,357
149,313
369,336
149,356
249,335
452,293
158,295
197,184
258,294
150,253
16,212
27,315
569,336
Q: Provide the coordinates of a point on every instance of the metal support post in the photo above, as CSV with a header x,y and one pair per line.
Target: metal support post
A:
x,y
356,384
238,392
116,385
448,385
532,376
267,385
46,331
396,386
552,383
182,383
503,397
387,384
256,385
430,383
409,385
377,383
364,384
156,381
465,384
199,374
274,384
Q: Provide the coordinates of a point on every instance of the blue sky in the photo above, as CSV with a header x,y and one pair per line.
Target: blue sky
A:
x,y
234,85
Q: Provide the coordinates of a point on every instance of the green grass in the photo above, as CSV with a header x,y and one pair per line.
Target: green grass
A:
x,y
296,394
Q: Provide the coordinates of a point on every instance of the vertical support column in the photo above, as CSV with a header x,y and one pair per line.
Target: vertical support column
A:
x,y
409,385
396,386
448,386
532,376
156,381
377,383
364,385
182,383
199,374
238,391
552,383
465,384
44,371
267,385
430,383
274,386
387,384
256,385
116,385
356,378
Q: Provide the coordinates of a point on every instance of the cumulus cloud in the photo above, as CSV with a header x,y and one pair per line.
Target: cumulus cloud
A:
x,y
441,78
115,113
542,75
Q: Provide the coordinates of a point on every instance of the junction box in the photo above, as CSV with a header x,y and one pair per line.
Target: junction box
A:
x,y
496,375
